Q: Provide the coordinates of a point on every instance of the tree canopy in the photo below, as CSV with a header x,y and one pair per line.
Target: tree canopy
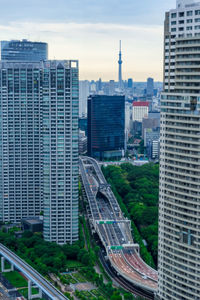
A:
x,y
137,189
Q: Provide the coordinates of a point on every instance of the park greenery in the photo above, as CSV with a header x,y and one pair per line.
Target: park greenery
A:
x,y
48,258
136,189
82,256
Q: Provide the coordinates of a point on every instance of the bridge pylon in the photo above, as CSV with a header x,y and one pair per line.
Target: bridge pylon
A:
x,y
3,268
30,296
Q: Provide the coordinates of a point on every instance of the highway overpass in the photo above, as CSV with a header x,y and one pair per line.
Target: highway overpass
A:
x,y
113,229
34,278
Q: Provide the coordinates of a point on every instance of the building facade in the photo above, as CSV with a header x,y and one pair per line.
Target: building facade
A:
x,y
140,110
152,142
21,179
60,148
150,87
179,204
106,126
84,92
39,145
24,50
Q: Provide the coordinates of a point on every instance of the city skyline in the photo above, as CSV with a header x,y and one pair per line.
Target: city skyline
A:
x,y
96,30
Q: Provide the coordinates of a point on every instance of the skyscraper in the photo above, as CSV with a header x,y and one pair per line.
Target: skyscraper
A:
x,y
120,66
60,148
150,87
21,180
24,50
106,126
179,204
84,91
39,145
111,87
130,83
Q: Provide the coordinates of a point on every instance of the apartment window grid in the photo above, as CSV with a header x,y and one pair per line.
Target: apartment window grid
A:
x,y
39,109
179,228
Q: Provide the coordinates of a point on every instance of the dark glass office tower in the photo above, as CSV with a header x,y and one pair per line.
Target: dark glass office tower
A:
x,y
106,126
24,51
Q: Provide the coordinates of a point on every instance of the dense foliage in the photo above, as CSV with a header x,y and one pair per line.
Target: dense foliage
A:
x,y
44,256
136,189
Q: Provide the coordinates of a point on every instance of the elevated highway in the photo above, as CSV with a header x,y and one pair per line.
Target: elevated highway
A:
x,y
34,278
113,229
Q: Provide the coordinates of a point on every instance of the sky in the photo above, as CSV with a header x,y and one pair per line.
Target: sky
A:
x,y
90,30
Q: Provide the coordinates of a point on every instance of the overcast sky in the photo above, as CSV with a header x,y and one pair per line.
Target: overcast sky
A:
x,y
90,30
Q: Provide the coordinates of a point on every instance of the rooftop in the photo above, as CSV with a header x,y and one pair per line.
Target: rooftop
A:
x,y
141,103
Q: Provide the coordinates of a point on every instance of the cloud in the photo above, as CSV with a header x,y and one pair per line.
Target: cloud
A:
x,y
96,46
106,11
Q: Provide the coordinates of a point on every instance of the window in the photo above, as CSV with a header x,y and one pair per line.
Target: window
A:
x,y
173,29
197,27
189,28
197,12
181,22
173,15
189,13
181,14
173,23
197,20
189,20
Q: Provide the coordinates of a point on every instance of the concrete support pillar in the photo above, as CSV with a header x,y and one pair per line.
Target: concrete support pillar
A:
x,y
36,296
29,290
2,264
3,269
40,293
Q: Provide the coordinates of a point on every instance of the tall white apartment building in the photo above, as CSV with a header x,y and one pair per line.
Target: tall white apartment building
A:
x,y
21,163
60,149
140,110
179,204
84,92
39,145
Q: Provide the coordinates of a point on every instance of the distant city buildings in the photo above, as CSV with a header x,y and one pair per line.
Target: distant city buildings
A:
x,y
140,110
84,92
152,142
150,87
151,122
128,119
130,83
24,50
111,91
82,143
106,126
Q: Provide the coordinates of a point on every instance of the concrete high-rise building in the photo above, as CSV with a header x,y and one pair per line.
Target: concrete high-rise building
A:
x,y
140,110
130,83
21,179
150,87
84,92
106,126
39,145
179,204
120,67
24,50
60,148
111,87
